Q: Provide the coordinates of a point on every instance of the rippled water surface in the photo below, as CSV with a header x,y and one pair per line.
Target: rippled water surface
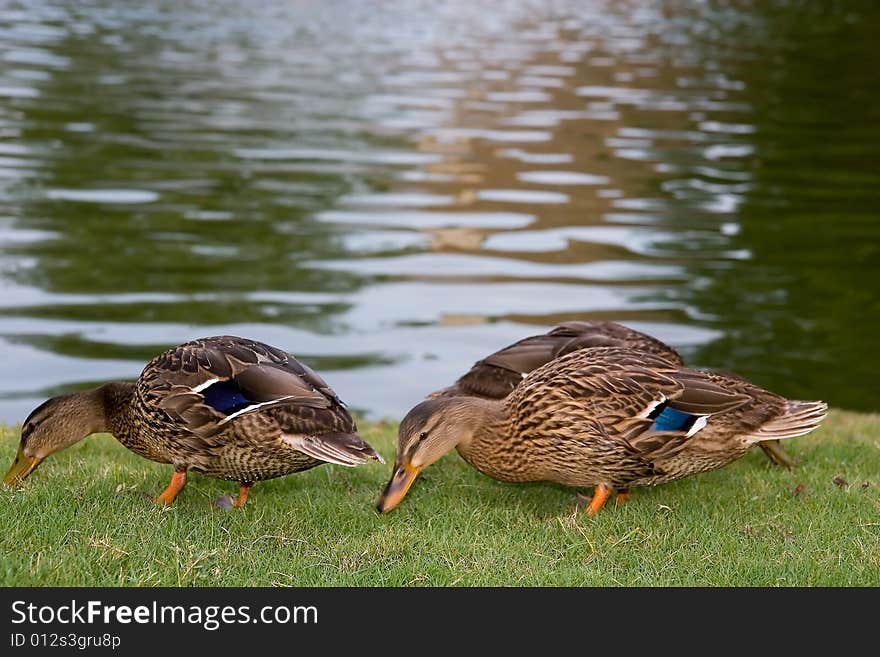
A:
x,y
393,191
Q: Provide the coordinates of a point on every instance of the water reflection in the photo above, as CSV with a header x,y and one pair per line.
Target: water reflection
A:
x,y
392,192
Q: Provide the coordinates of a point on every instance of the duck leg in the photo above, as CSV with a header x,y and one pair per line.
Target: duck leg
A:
x,y
243,491
227,502
178,481
601,493
622,496
775,453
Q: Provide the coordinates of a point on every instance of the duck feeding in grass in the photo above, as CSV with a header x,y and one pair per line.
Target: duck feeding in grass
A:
x,y
226,407
496,375
610,418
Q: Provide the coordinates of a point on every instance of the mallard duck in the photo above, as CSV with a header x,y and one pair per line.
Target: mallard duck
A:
x,y
495,376
605,417
224,406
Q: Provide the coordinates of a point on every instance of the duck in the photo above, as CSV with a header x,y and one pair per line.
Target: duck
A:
x,y
610,418
496,375
224,406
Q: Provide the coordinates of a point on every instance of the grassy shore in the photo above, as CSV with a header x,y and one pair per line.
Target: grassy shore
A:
x,y
83,519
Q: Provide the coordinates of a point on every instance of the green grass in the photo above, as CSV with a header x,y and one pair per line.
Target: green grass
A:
x,y
83,519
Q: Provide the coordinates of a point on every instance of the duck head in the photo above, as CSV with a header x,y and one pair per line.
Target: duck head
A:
x,y
429,431
54,425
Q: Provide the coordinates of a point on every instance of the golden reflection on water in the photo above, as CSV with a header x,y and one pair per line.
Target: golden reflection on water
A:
x,y
393,192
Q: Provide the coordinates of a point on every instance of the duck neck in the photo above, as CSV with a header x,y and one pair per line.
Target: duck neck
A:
x,y
487,423
114,399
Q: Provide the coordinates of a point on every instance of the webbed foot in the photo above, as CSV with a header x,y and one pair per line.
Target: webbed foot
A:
x,y
225,502
601,493
228,502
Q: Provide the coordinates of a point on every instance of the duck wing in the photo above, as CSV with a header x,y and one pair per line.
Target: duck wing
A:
x,y
588,334
207,383
499,373
641,400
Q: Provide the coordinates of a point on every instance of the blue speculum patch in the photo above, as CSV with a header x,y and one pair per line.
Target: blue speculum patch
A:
x,y
226,397
670,419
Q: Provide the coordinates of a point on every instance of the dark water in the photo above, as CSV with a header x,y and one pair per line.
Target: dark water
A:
x,y
391,192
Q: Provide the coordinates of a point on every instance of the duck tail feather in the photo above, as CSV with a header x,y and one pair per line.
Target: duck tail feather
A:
x,y
797,418
346,449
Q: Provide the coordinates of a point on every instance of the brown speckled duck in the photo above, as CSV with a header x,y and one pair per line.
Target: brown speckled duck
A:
x,y
495,376
606,417
224,406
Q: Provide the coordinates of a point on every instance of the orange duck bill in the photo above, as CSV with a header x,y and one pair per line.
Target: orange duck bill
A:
x,y
21,468
397,488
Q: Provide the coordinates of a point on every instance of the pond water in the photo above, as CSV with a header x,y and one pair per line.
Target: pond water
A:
x,y
393,191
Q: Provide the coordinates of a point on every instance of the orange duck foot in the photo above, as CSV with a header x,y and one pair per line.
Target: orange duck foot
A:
x,y
178,481
601,493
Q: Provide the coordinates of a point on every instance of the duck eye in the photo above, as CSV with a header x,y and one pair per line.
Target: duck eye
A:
x,y
423,435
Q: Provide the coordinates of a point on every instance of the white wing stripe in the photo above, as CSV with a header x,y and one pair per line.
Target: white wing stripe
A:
x,y
650,409
698,424
248,409
206,384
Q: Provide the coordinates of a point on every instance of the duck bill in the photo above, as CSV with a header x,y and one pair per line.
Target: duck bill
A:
x,y
397,488
21,468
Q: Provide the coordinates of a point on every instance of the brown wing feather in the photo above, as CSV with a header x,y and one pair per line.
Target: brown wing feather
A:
x,y
347,449
277,383
588,334
498,374
700,395
620,387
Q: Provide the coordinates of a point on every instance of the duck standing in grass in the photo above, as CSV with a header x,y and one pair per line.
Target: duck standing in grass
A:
x,y
495,376
606,417
226,407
